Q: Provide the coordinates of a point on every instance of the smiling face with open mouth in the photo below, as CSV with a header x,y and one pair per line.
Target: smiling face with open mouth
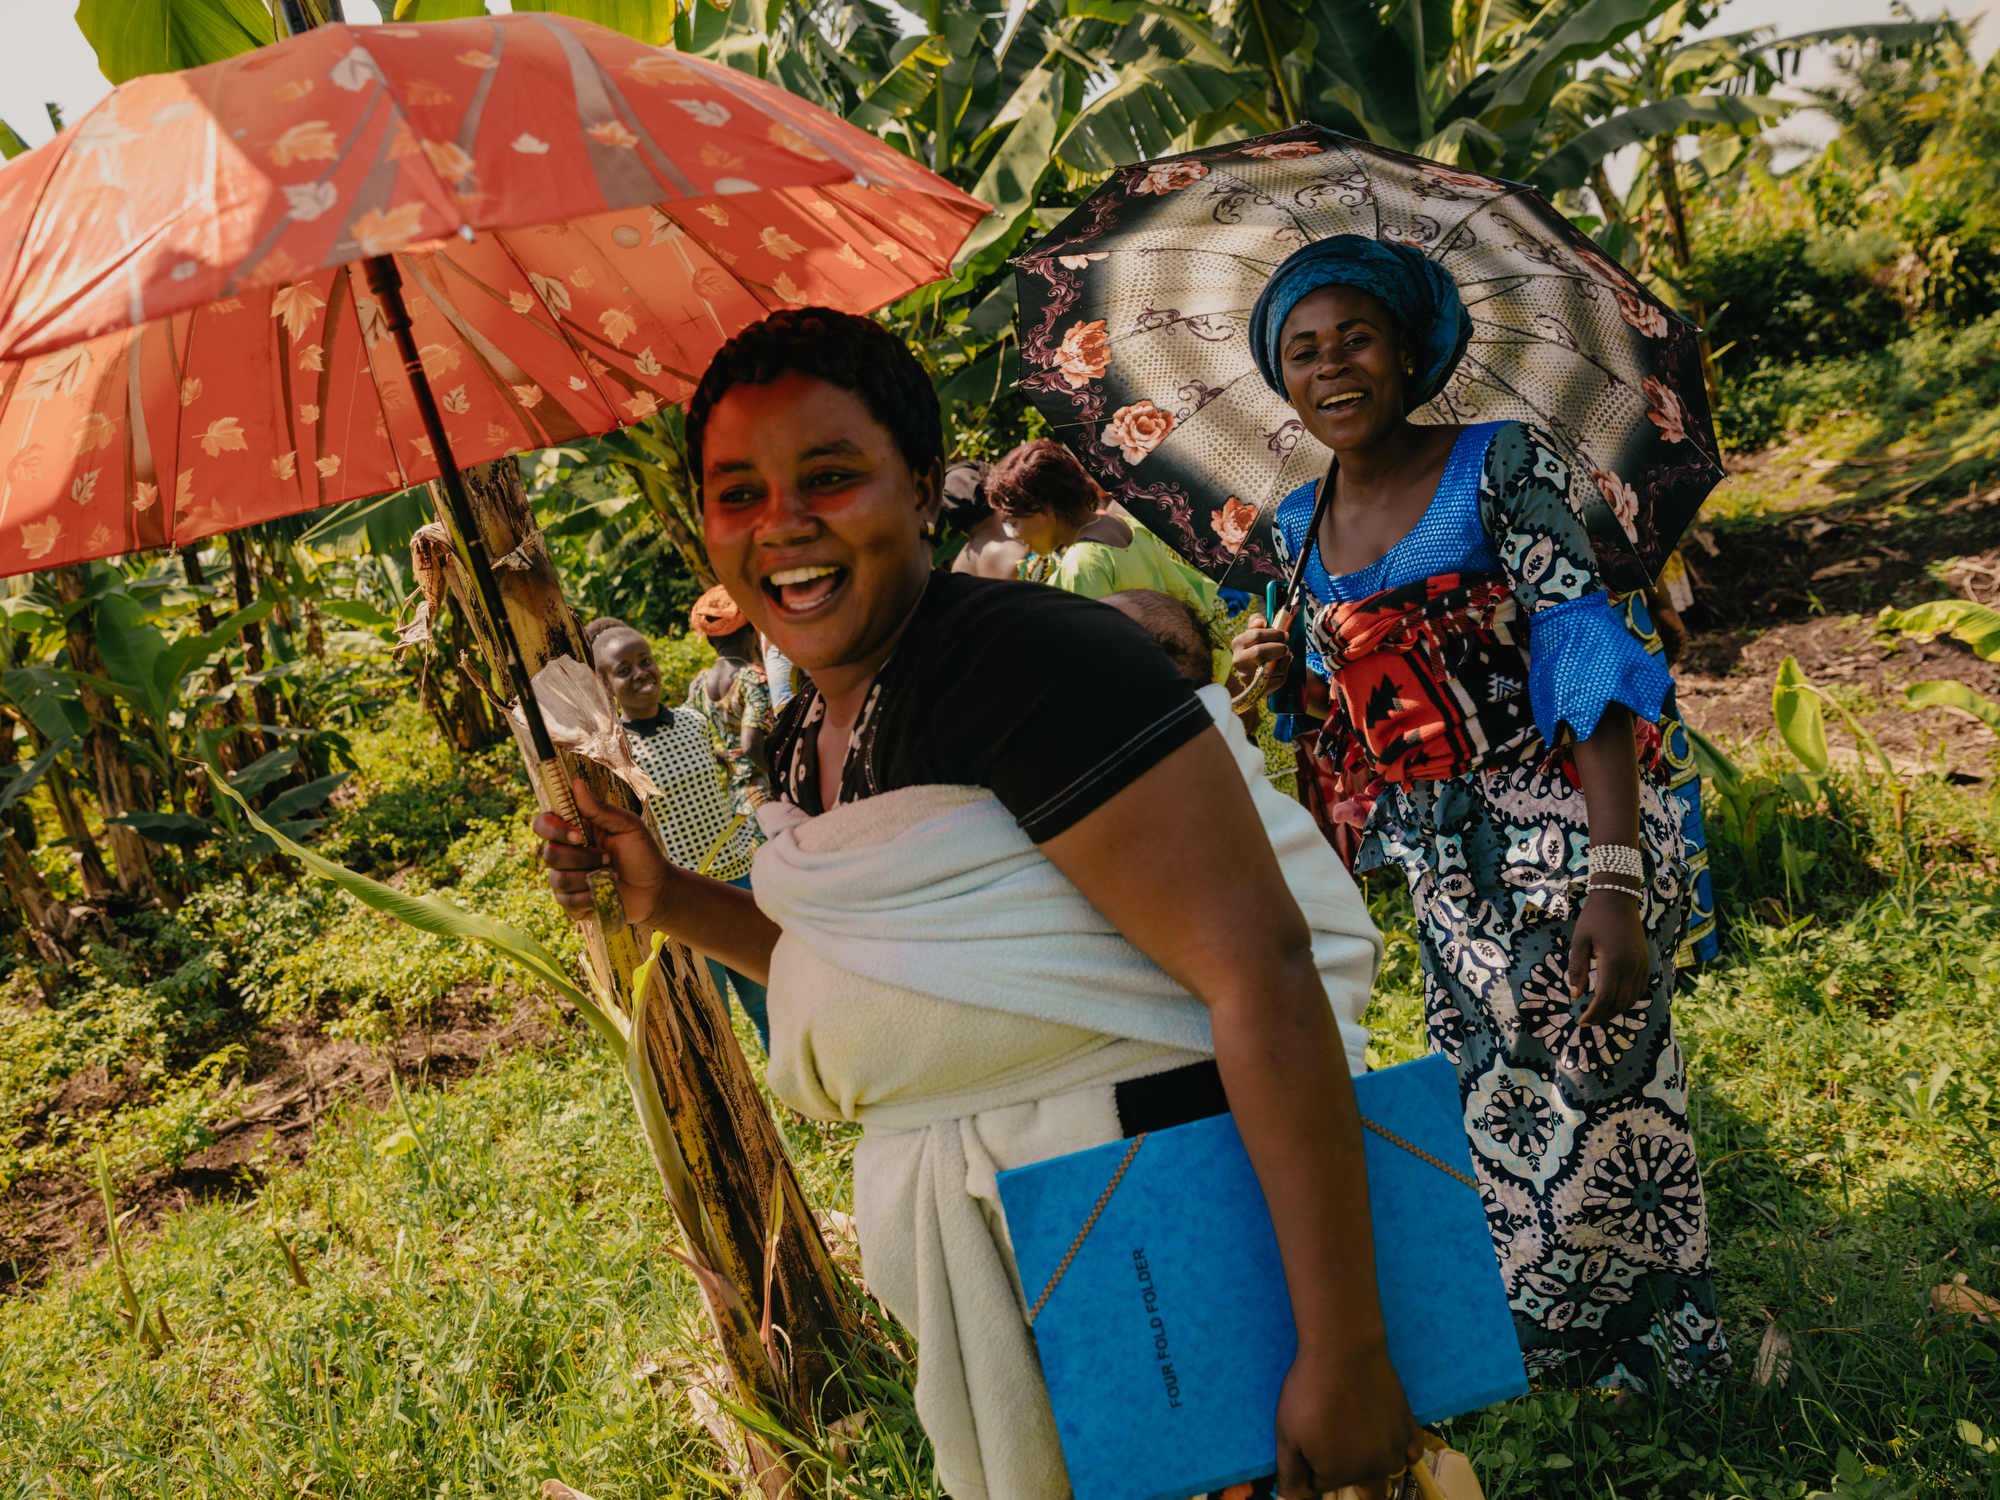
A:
x,y
1341,356
815,523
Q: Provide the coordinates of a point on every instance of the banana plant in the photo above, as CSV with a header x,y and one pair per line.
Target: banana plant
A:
x,y
133,37
1976,625
623,1034
149,670
1663,82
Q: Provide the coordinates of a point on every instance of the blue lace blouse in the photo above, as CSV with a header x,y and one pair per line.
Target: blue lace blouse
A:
x,y
1505,510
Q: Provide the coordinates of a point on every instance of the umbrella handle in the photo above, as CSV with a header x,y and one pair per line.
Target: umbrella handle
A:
x,y
1253,692
610,910
1282,620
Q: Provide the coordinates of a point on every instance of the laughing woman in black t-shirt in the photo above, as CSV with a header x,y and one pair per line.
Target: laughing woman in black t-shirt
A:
x,y
935,702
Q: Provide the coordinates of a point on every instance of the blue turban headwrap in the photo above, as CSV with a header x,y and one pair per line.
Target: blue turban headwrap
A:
x,y
1418,292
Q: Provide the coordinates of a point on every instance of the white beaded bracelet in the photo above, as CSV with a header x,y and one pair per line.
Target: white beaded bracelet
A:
x,y
1618,887
1621,861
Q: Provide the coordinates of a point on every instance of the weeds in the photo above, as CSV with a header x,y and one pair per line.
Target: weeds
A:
x,y
472,1293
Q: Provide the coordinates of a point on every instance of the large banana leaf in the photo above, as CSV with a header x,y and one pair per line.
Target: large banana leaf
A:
x,y
1362,68
382,524
1195,38
1013,177
1521,88
132,37
1977,625
1942,694
438,10
1570,167
1149,111
47,697
651,21
907,86
144,666
21,780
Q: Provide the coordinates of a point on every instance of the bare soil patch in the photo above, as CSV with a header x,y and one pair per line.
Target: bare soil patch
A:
x,y
1845,558
1808,583
297,1075
1725,688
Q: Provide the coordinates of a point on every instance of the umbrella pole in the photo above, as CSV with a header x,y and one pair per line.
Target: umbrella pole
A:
x,y
386,282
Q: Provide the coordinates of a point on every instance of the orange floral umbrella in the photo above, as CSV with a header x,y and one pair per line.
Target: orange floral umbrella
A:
x,y
191,341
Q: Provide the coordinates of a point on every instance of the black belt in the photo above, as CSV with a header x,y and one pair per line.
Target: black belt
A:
x,y
1161,1100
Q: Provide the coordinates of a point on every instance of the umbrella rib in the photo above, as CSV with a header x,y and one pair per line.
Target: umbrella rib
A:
x,y
1528,338
350,271
1499,384
1298,223
1514,190
285,224
483,348
562,331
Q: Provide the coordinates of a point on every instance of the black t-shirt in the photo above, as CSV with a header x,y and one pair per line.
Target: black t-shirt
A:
x,y
1052,702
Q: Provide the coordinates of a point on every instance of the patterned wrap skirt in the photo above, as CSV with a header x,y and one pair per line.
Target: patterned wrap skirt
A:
x,y
1579,1134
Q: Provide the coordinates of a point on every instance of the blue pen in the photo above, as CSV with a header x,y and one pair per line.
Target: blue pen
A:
x,y
1271,601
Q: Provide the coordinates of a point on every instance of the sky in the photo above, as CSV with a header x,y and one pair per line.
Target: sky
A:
x,y
46,57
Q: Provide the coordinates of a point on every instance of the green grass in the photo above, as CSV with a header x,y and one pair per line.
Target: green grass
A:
x,y
1918,416
492,1303
169,1009
481,1311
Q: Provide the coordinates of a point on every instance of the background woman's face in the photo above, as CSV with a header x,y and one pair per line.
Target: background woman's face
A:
x,y
1038,530
625,662
1340,354
814,521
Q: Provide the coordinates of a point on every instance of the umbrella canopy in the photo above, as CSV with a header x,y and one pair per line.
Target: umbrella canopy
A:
x,y
1134,312
188,345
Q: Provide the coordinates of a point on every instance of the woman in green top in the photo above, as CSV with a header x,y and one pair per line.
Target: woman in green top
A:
x,y
1056,510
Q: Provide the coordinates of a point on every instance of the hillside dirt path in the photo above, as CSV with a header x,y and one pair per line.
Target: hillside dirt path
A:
x,y
1809,584
296,1075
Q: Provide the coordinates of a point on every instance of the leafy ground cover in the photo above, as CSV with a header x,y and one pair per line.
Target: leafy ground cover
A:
x,y
483,1300
199,1049
468,1290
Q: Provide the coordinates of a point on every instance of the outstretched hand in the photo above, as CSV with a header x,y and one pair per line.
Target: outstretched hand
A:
x,y
612,839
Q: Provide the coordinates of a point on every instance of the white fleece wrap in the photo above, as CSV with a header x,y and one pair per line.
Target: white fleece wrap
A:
x,y
963,906
938,980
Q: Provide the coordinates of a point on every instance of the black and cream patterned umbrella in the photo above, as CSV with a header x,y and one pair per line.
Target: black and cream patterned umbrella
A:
x,y
1134,319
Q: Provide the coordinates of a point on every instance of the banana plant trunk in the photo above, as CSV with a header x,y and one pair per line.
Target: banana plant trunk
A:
x,y
117,790
242,577
96,878
724,1131
27,903
1667,175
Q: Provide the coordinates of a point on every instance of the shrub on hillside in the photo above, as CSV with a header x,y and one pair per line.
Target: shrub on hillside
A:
x,y
1936,372
1785,293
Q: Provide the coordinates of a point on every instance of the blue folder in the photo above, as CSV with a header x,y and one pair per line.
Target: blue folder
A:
x,y
1165,1341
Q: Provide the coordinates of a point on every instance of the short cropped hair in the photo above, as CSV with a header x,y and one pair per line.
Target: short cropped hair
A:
x,y
602,626
1043,475
605,625
857,354
1175,626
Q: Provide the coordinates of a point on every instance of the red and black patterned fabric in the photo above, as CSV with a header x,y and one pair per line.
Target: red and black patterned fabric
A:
x,y
1428,683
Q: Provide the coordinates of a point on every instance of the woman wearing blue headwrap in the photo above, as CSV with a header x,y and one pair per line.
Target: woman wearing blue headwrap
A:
x,y
1490,715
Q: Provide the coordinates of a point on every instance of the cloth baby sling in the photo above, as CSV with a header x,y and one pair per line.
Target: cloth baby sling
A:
x,y
938,980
